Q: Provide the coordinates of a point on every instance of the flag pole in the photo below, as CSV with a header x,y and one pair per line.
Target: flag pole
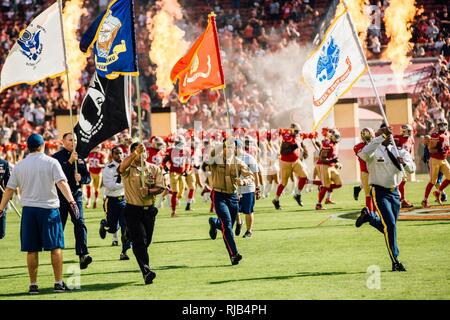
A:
x,y
68,84
138,99
372,81
138,92
12,204
231,132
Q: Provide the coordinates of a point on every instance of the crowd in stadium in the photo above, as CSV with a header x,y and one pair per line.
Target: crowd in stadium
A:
x,y
247,30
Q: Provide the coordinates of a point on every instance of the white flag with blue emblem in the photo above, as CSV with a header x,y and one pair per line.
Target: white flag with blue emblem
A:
x,y
37,54
333,68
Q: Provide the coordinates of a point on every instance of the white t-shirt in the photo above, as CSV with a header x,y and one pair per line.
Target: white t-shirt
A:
x,y
252,164
36,176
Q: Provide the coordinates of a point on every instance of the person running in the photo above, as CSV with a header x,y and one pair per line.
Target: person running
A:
x,y
405,141
439,147
329,165
37,176
290,162
179,159
142,181
367,135
4,177
385,175
226,170
68,158
248,193
115,202
96,163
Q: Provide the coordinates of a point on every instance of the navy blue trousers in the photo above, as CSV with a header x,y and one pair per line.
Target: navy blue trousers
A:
x,y
79,227
387,205
3,225
227,208
115,218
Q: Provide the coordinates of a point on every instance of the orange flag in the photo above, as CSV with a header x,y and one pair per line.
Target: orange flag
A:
x,y
201,67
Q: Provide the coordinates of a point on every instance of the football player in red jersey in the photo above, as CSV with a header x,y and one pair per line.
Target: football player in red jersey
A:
x,y
192,175
405,141
439,147
179,159
96,162
290,152
156,151
367,134
329,165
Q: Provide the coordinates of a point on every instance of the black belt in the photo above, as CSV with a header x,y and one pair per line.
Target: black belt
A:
x,y
387,189
140,207
118,198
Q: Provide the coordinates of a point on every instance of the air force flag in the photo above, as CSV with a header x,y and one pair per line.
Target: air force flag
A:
x,y
112,37
38,52
333,68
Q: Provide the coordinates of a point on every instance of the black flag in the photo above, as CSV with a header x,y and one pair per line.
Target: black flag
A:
x,y
104,112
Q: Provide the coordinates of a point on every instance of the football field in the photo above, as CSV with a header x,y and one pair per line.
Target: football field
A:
x,y
290,256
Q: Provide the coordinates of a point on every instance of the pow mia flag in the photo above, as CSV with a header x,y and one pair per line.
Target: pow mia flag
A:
x,y
104,112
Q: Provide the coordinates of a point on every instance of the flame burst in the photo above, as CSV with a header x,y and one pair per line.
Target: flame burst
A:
x,y
168,45
360,18
398,18
76,60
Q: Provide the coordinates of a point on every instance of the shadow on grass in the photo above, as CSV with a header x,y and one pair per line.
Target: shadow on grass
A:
x,y
5,276
183,240
91,247
425,224
302,227
298,275
84,288
160,268
40,265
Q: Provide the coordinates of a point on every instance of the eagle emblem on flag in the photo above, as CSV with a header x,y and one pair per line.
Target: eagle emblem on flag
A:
x,y
328,61
30,44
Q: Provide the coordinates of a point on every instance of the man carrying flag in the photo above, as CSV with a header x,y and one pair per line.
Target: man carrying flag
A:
x,y
200,69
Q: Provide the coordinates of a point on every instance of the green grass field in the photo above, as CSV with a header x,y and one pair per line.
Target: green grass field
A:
x,y
289,257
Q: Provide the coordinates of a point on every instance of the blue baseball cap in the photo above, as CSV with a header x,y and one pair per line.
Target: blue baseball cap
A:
x,y
34,141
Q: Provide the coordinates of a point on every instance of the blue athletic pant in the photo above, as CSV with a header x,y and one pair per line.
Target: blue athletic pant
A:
x,y
79,227
115,217
387,205
3,225
227,207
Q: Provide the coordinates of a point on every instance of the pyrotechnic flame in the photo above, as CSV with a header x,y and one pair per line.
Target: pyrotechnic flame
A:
x,y
168,44
398,18
360,18
76,60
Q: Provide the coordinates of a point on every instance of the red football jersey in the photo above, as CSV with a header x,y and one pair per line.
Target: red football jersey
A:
x,y
155,156
179,159
442,146
289,139
329,150
96,161
406,143
362,164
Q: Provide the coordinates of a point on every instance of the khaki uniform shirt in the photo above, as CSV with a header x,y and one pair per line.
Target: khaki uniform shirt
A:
x,y
223,173
132,183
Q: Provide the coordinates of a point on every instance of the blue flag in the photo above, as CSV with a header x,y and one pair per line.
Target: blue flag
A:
x,y
112,37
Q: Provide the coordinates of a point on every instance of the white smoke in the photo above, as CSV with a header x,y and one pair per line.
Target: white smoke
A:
x,y
279,75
